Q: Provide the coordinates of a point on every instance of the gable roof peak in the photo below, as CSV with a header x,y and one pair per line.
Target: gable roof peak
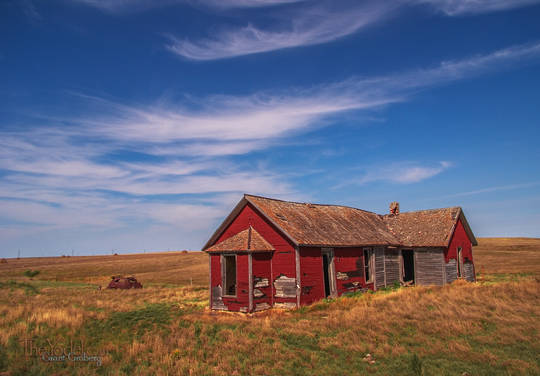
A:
x,y
248,240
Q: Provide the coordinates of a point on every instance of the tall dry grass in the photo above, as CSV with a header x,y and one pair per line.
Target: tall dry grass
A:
x,y
507,255
177,268
165,328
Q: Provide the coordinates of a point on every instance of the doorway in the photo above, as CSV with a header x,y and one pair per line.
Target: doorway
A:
x,y
408,265
326,273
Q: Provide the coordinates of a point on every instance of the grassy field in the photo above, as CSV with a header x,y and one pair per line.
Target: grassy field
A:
x,y
486,328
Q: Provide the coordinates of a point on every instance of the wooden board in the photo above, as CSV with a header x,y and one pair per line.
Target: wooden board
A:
x,y
450,268
217,300
285,287
379,267
428,267
468,271
392,266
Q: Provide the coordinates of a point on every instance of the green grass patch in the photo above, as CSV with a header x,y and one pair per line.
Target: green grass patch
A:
x,y
125,326
11,285
493,278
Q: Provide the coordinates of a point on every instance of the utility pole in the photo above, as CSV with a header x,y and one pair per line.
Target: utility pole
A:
x,y
19,254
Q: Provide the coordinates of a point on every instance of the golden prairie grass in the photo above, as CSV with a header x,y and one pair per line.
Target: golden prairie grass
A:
x,y
160,268
165,328
507,255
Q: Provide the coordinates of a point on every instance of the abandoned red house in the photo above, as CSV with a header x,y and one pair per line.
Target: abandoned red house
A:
x,y
273,253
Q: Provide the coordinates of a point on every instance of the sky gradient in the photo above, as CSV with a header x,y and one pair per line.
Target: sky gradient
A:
x,y
137,125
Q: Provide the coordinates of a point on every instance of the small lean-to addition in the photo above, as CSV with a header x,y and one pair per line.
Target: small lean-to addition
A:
x,y
273,253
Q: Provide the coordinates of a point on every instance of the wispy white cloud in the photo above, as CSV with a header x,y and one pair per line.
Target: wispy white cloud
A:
x,y
316,23
498,188
220,126
307,26
402,172
449,7
294,25
243,3
71,176
125,5
232,125
466,7
122,6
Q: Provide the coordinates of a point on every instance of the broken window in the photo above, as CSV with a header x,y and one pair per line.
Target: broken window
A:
x,y
229,275
368,264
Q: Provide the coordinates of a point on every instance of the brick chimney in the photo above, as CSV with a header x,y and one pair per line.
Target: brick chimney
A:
x,y
394,208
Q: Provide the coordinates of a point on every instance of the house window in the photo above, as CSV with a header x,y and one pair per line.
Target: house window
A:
x,y
368,264
229,275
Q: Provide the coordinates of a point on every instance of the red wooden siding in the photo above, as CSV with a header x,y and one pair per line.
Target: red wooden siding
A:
x,y
283,260
261,268
459,239
311,275
215,264
351,262
348,263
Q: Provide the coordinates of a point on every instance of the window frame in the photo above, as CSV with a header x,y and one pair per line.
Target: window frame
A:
x,y
370,264
224,274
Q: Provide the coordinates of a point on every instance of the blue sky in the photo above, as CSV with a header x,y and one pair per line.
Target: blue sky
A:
x,y
137,125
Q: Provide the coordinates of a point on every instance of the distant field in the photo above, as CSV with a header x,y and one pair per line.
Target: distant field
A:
x,y
507,255
486,328
492,256
161,268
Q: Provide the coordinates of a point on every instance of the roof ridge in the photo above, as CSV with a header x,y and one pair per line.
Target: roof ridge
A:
x,y
421,210
310,203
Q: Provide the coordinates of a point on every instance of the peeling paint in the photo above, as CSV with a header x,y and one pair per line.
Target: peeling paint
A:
x,y
285,287
285,305
260,282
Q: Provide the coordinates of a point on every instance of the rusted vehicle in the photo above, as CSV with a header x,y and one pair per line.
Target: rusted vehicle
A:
x,y
123,283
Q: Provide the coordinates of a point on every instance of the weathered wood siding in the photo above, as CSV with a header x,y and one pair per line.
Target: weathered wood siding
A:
x,y
285,287
283,260
392,266
450,268
468,271
311,275
262,288
349,264
378,253
429,266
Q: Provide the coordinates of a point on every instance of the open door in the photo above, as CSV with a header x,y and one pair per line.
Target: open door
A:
x,y
328,273
407,257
